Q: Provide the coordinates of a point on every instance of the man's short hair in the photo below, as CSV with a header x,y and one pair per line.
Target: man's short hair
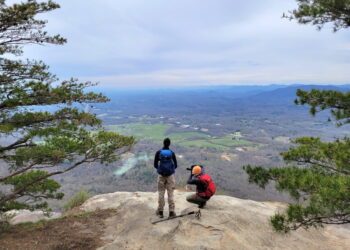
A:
x,y
166,142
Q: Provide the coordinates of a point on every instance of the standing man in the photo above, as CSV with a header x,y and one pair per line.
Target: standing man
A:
x,y
205,186
165,163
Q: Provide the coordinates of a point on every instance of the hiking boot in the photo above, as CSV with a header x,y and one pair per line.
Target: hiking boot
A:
x,y
202,205
160,214
172,214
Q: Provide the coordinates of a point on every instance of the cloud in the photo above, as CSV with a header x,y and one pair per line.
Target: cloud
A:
x,y
197,42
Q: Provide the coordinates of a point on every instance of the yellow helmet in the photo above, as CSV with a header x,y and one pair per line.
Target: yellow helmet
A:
x,y
196,170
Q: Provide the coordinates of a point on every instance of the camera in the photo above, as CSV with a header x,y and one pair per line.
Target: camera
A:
x,y
190,169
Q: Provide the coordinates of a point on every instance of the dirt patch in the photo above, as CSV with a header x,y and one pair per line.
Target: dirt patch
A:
x,y
225,157
75,231
229,157
75,210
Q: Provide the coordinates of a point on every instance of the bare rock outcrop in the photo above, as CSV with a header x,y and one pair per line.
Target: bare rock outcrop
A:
x,y
226,223
21,216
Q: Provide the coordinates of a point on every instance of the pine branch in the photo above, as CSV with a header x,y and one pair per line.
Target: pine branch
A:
x,y
89,158
22,170
24,187
321,164
19,143
328,220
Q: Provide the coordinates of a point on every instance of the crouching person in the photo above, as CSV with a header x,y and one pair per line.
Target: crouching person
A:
x,y
205,187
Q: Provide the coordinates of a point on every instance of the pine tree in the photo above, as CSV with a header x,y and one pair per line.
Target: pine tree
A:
x,y
318,174
319,181
36,144
320,12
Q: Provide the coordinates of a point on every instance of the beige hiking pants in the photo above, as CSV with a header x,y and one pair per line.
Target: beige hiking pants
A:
x,y
166,183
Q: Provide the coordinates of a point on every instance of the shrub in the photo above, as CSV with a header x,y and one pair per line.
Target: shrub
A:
x,y
77,200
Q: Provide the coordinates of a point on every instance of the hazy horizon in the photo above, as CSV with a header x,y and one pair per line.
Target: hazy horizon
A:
x,y
185,87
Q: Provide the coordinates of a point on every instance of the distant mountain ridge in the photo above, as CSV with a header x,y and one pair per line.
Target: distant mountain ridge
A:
x,y
287,95
208,100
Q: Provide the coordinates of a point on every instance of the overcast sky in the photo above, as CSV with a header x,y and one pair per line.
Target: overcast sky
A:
x,y
191,42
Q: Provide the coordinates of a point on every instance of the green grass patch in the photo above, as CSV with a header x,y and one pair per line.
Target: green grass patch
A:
x,y
157,132
77,200
185,136
202,144
153,132
228,142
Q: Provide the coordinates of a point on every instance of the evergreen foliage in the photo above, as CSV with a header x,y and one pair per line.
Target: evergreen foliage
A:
x,y
36,144
318,174
319,182
337,102
319,12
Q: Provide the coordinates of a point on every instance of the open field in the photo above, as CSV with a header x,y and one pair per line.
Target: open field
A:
x,y
179,137
154,132
203,144
157,132
229,142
